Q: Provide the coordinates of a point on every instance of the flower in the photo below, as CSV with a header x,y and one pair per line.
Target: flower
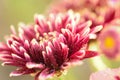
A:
x,y
108,74
99,11
109,40
49,46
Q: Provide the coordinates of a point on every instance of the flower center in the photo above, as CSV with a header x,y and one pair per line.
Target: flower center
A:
x,y
48,36
109,42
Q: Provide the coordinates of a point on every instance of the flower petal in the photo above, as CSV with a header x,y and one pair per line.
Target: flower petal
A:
x,y
31,65
45,74
21,71
78,55
89,54
108,74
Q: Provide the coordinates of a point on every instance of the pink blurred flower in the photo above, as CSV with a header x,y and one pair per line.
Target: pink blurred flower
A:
x,y
108,74
109,39
99,11
49,46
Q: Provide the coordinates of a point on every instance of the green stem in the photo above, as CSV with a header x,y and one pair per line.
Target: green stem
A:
x,y
98,63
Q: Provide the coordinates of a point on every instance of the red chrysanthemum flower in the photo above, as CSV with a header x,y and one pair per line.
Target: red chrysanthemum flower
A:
x,y
49,46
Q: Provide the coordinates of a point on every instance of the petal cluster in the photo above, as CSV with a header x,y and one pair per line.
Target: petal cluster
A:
x,y
99,11
108,74
49,46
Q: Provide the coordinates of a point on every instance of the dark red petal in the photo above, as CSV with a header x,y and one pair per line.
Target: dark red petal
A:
x,y
78,55
117,77
110,15
21,71
45,57
89,54
14,63
84,28
45,74
64,51
4,55
68,35
27,56
51,57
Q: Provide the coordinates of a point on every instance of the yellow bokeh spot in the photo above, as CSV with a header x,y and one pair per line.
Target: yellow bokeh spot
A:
x,y
109,42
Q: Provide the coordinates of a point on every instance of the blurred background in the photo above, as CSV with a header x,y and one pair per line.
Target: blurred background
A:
x,y
14,11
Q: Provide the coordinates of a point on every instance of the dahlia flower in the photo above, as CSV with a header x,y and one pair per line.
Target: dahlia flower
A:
x,y
99,11
108,74
49,46
109,40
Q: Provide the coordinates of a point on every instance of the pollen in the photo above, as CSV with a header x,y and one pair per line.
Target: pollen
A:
x,y
109,42
48,36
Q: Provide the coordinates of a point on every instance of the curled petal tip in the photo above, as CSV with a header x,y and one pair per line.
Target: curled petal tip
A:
x,y
13,29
